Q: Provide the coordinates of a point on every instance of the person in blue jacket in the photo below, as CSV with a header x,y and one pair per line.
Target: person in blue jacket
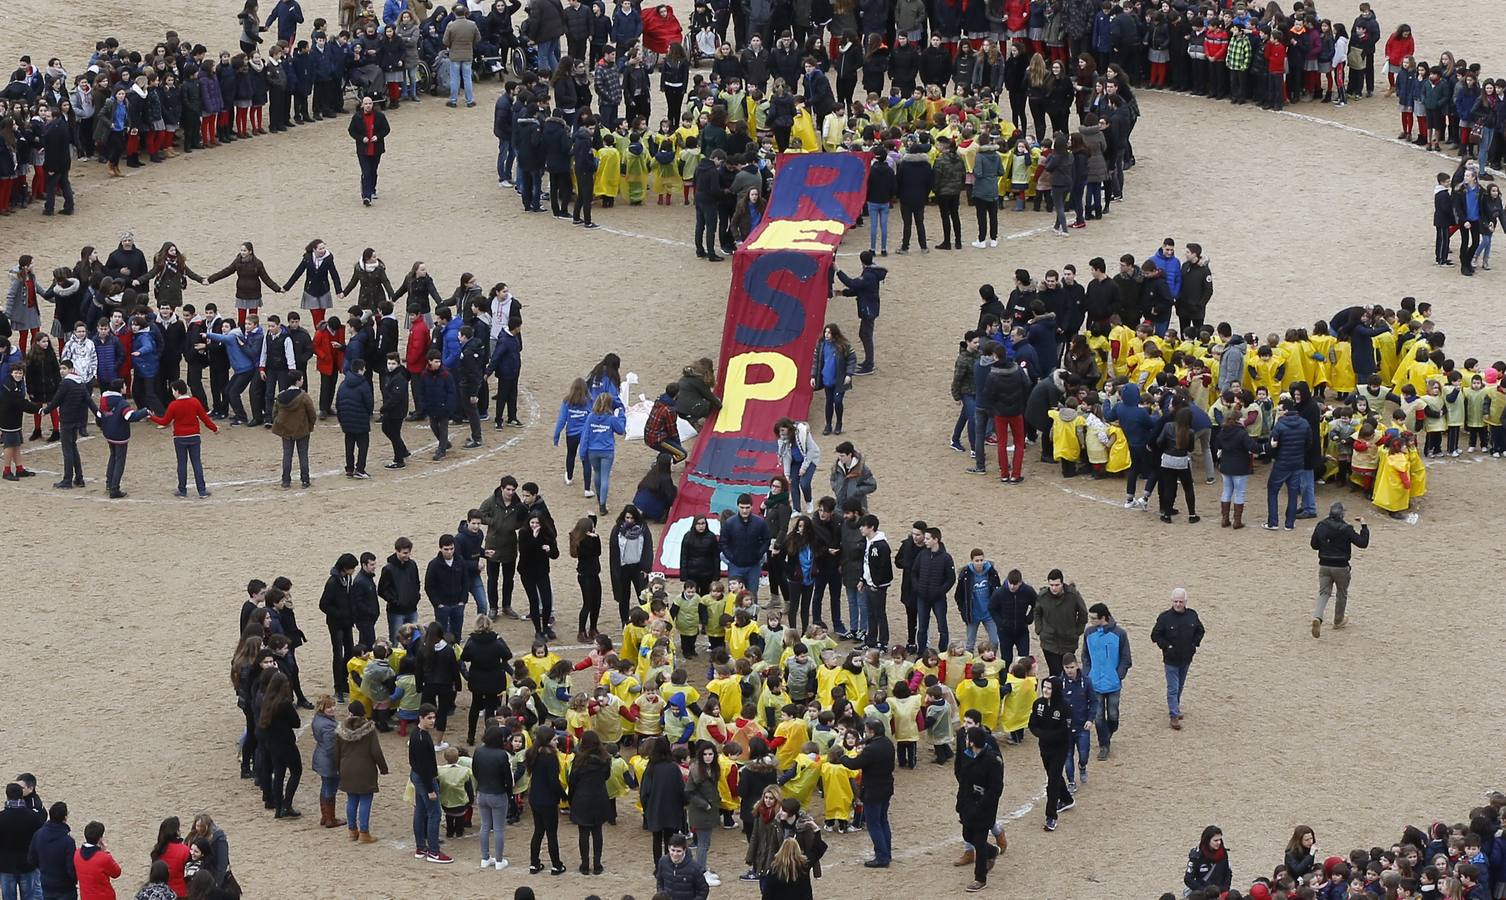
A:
x,y
627,27
146,361
744,542
288,15
353,407
976,584
1012,608
1077,690
572,421
329,74
1141,425
242,367
438,398
115,416
864,288
302,75
507,363
600,444
1106,662
391,10
448,336
51,854
1165,259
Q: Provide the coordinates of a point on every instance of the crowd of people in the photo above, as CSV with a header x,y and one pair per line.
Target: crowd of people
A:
x,y
1466,859
1096,374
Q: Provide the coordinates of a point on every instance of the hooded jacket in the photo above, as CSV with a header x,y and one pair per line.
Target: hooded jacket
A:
x,y
51,853
865,286
334,602
1005,390
294,414
1140,425
974,591
487,656
358,756
852,482
354,405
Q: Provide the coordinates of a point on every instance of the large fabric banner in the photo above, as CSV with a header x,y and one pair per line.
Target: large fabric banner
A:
x,y
776,310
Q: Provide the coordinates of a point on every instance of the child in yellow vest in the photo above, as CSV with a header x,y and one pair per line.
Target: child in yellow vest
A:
x,y
1019,696
1066,436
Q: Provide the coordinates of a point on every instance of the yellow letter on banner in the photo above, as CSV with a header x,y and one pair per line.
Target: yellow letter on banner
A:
x,y
791,234
738,391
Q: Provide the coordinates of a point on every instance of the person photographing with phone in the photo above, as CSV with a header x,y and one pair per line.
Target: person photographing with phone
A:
x,y
1334,539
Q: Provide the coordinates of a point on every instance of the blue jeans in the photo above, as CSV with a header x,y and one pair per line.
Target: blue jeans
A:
x,y
478,590
981,423
1234,489
1014,643
1106,716
425,813
1292,480
880,215
600,465
800,486
460,73
1081,743
927,608
549,54
532,183
834,395
857,610
1176,679
608,113
876,813
747,574
965,419
1309,492
329,786
504,159
358,811
187,449
398,620
988,626
452,617
1487,137
27,886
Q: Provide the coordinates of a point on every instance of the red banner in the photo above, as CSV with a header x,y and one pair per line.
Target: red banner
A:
x,y
776,310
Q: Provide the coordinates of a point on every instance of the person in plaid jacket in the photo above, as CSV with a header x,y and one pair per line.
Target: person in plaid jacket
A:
x,y
662,431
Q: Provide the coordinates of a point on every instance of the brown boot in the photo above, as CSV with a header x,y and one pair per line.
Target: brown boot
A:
x,y
1002,841
355,834
114,170
366,838
1223,512
966,859
327,813
1239,515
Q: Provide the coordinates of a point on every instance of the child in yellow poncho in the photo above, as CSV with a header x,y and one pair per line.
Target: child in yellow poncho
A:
x,y
608,174
1019,696
665,150
1394,475
1066,436
636,166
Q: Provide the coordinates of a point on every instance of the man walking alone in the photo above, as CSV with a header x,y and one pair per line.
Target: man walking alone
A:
x,y
1334,539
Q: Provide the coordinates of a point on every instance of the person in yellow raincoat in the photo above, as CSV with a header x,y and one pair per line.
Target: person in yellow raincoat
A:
x,y
1066,436
1393,477
1264,371
1019,696
664,148
803,133
635,169
608,173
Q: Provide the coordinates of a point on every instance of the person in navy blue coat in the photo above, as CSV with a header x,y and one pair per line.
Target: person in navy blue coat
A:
x,y
51,854
288,15
437,399
507,363
303,74
864,288
584,148
354,405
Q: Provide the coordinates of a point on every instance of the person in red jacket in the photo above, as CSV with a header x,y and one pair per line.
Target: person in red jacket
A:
x,y
417,355
172,851
185,413
329,351
95,866
1275,65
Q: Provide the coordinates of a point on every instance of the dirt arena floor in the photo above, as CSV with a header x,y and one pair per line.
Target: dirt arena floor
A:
x,y
122,614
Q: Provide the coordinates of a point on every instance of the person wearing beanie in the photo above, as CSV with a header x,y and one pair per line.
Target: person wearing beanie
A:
x,y
1334,539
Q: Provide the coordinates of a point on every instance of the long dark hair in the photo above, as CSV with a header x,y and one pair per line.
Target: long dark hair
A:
x,y
610,366
1183,420
167,833
658,477
279,692
543,744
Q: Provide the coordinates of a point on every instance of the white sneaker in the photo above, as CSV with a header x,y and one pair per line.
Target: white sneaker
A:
x,y
1129,502
443,746
486,863
499,864
568,480
590,493
993,243
1453,453
1140,503
980,244
712,880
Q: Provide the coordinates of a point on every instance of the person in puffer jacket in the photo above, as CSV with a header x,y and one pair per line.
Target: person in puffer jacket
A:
x,y
115,415
1077,690
1141,425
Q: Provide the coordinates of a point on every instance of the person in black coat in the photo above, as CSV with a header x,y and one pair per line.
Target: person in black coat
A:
x,y
913,186
528,149
661,792
1051,723
876,762
558,148
590,807
980,783
700,556
707,182
583,151
57,160
364,607
353,407
339,617
394,409
818,96
542,762
536,547
487,656
369,129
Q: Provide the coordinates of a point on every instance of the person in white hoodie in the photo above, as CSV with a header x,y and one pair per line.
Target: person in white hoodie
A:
x,y
878,574
798,458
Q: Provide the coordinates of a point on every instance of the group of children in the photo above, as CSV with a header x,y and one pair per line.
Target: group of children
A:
x,y
1374,422
781,709
1462,861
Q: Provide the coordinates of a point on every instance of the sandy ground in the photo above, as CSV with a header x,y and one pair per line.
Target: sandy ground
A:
x,y
1355,735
